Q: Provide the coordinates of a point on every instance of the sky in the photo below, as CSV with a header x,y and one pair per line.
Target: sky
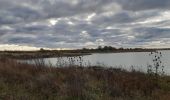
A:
x,y
32,24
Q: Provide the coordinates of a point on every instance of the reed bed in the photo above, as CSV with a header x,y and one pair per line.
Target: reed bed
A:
x,y
21,81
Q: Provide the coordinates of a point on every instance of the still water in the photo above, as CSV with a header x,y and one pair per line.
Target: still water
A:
x,y
135,60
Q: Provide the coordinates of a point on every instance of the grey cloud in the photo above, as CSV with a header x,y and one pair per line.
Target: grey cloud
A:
x,y
8,18
115,22
25,13
40,9
150,34
121,17
31,29
20,40
136,5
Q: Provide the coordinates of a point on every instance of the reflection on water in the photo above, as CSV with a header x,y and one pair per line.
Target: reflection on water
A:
x,y
137,60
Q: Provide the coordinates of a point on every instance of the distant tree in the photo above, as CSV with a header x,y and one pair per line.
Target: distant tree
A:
x,y
113,48
42,49
121,48
99,48
84,49
105,48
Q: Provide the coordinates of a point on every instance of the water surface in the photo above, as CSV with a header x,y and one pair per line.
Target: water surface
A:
x,y
136,60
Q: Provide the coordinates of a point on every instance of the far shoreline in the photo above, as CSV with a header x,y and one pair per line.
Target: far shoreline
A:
x,y
66,53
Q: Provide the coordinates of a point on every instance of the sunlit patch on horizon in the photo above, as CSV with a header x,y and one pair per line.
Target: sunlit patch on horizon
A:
x,y
17,47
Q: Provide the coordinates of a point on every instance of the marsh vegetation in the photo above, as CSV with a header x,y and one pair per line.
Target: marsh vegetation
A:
x,y
21,81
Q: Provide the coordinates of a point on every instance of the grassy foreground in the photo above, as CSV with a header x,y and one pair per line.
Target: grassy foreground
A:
x,y
32,82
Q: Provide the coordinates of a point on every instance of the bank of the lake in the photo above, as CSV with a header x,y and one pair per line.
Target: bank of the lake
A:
x,y
67,53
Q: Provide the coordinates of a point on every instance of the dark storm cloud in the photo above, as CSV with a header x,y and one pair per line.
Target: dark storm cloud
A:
x,y
80,23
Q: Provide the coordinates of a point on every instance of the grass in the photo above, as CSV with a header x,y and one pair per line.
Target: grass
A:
x,y
20,81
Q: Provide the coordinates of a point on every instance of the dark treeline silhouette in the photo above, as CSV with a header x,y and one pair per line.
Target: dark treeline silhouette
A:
x,y
109,49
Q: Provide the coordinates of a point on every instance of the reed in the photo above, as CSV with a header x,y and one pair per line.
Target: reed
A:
x,y
21,81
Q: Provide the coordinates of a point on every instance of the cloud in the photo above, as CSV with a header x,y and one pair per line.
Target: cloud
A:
x,y
136,5
82,23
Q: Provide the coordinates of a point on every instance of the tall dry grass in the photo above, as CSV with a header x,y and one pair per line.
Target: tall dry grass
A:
x,y
20,81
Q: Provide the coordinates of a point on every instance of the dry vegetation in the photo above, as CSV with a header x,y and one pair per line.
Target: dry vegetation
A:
x,y
31,82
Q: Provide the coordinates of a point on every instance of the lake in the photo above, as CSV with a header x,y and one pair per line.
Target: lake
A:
x,y
128,61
